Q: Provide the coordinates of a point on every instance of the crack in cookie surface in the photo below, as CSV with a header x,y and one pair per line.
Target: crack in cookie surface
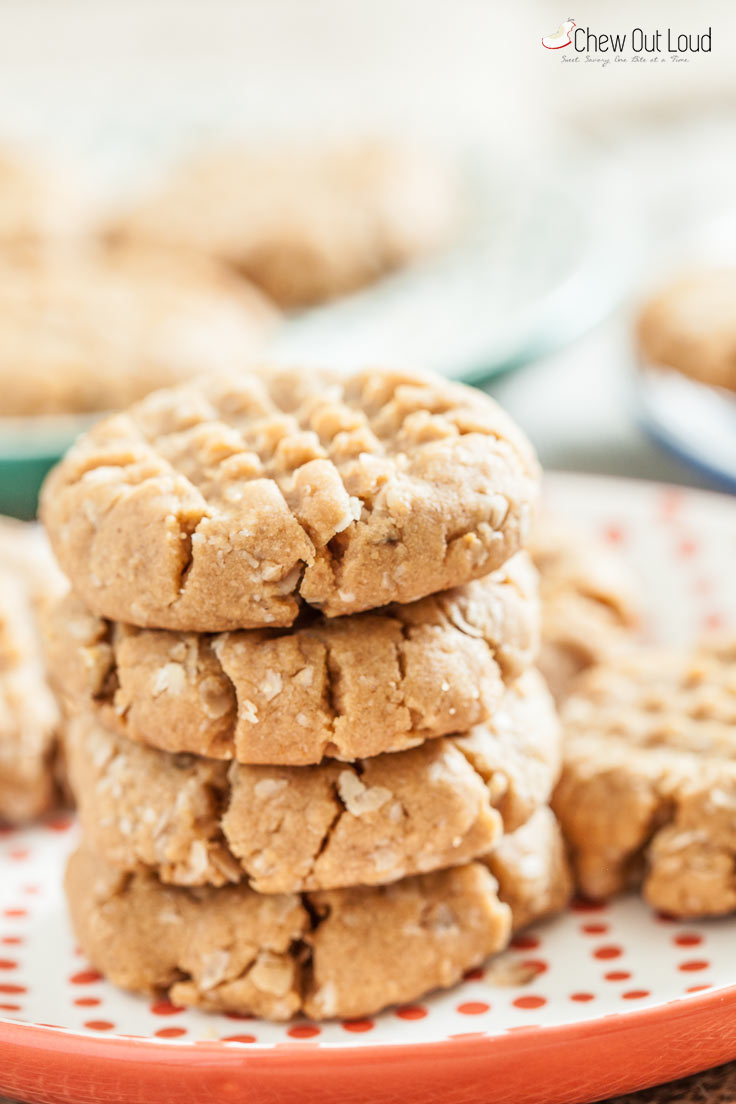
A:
x,y
346,688
199,821
216,506
326,954
331,953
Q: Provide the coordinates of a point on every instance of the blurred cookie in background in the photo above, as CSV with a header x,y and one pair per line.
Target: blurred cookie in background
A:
x,y
304,224
690,325
91,328
40,200
30,720
589,603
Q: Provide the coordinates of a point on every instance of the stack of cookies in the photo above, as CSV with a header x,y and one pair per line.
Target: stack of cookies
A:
x,y
311,753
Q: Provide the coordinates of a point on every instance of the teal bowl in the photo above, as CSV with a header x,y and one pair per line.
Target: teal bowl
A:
x,y
29,447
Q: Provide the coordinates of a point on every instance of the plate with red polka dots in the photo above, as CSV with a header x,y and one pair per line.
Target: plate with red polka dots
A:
x,y
603,999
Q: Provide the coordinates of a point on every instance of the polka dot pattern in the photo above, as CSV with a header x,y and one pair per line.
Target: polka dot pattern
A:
x,y
85,977
687,939
412,1012
607,952
624,957
473,1008
165,1008
170,1032
303,1031
530,1001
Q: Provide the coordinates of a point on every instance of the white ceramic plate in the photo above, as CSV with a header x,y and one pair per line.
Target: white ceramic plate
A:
x,y
536,265
601,999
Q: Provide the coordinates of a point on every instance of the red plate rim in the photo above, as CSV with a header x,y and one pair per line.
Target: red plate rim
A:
x,y
556,1064
595,1056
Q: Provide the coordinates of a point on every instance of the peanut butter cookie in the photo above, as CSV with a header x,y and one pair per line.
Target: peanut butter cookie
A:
x,y
589,604
39,201
690,325
236,501
532,870
337,953
30,721
88,329
197,821
648,791
347,688
304,224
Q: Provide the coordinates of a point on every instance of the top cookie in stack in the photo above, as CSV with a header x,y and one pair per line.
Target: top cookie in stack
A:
x,y
237,503
322,580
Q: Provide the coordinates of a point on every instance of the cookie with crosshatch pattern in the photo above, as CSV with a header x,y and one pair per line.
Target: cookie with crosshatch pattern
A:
x,y
589,602
237,501
648,790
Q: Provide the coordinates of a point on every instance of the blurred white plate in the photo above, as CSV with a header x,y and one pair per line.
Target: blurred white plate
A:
x,y
695,422
540,261
603,999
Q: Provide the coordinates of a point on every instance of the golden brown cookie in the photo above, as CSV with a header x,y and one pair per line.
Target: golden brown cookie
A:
x,y
336,953
29,716
236,501
304,224
346,688
532,870
38,199
648,790
87,329
197,821
589,603
690,325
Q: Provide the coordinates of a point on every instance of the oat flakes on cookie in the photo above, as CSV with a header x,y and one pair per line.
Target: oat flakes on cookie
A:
x,y
648,790
589,602
196,821
235,502
304,224
345,953
30,720
690,325
88,329
346,688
